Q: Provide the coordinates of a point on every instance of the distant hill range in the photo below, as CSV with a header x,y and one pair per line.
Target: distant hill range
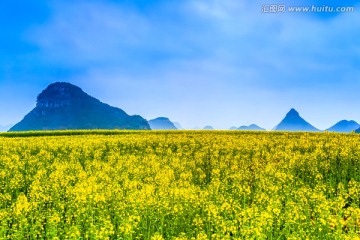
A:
x,y
233,128
162,123
208,128
65,106
344,126
178,125
251,127
293,122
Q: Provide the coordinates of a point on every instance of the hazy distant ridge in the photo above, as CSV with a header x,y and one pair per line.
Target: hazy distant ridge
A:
x,y
162,123
344,126
251,127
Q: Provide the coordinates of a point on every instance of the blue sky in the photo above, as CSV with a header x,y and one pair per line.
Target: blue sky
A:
x,y
199,62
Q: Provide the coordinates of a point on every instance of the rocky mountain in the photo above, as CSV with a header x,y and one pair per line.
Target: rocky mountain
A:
x,y
162,123
251,127
208,128
344,126
65,106
294,122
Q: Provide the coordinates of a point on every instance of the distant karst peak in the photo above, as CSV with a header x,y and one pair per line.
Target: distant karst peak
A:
x,y
294,122
65,106
162,123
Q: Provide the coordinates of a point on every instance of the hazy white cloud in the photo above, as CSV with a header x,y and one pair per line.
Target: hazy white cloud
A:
x,y
88,32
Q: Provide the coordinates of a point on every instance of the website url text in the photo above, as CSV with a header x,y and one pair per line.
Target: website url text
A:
x,y
281,8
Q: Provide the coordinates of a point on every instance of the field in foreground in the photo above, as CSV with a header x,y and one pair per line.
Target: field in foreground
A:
x,y
180,185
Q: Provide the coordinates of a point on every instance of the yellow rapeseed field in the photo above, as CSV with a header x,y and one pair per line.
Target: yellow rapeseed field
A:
x,y
179,185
